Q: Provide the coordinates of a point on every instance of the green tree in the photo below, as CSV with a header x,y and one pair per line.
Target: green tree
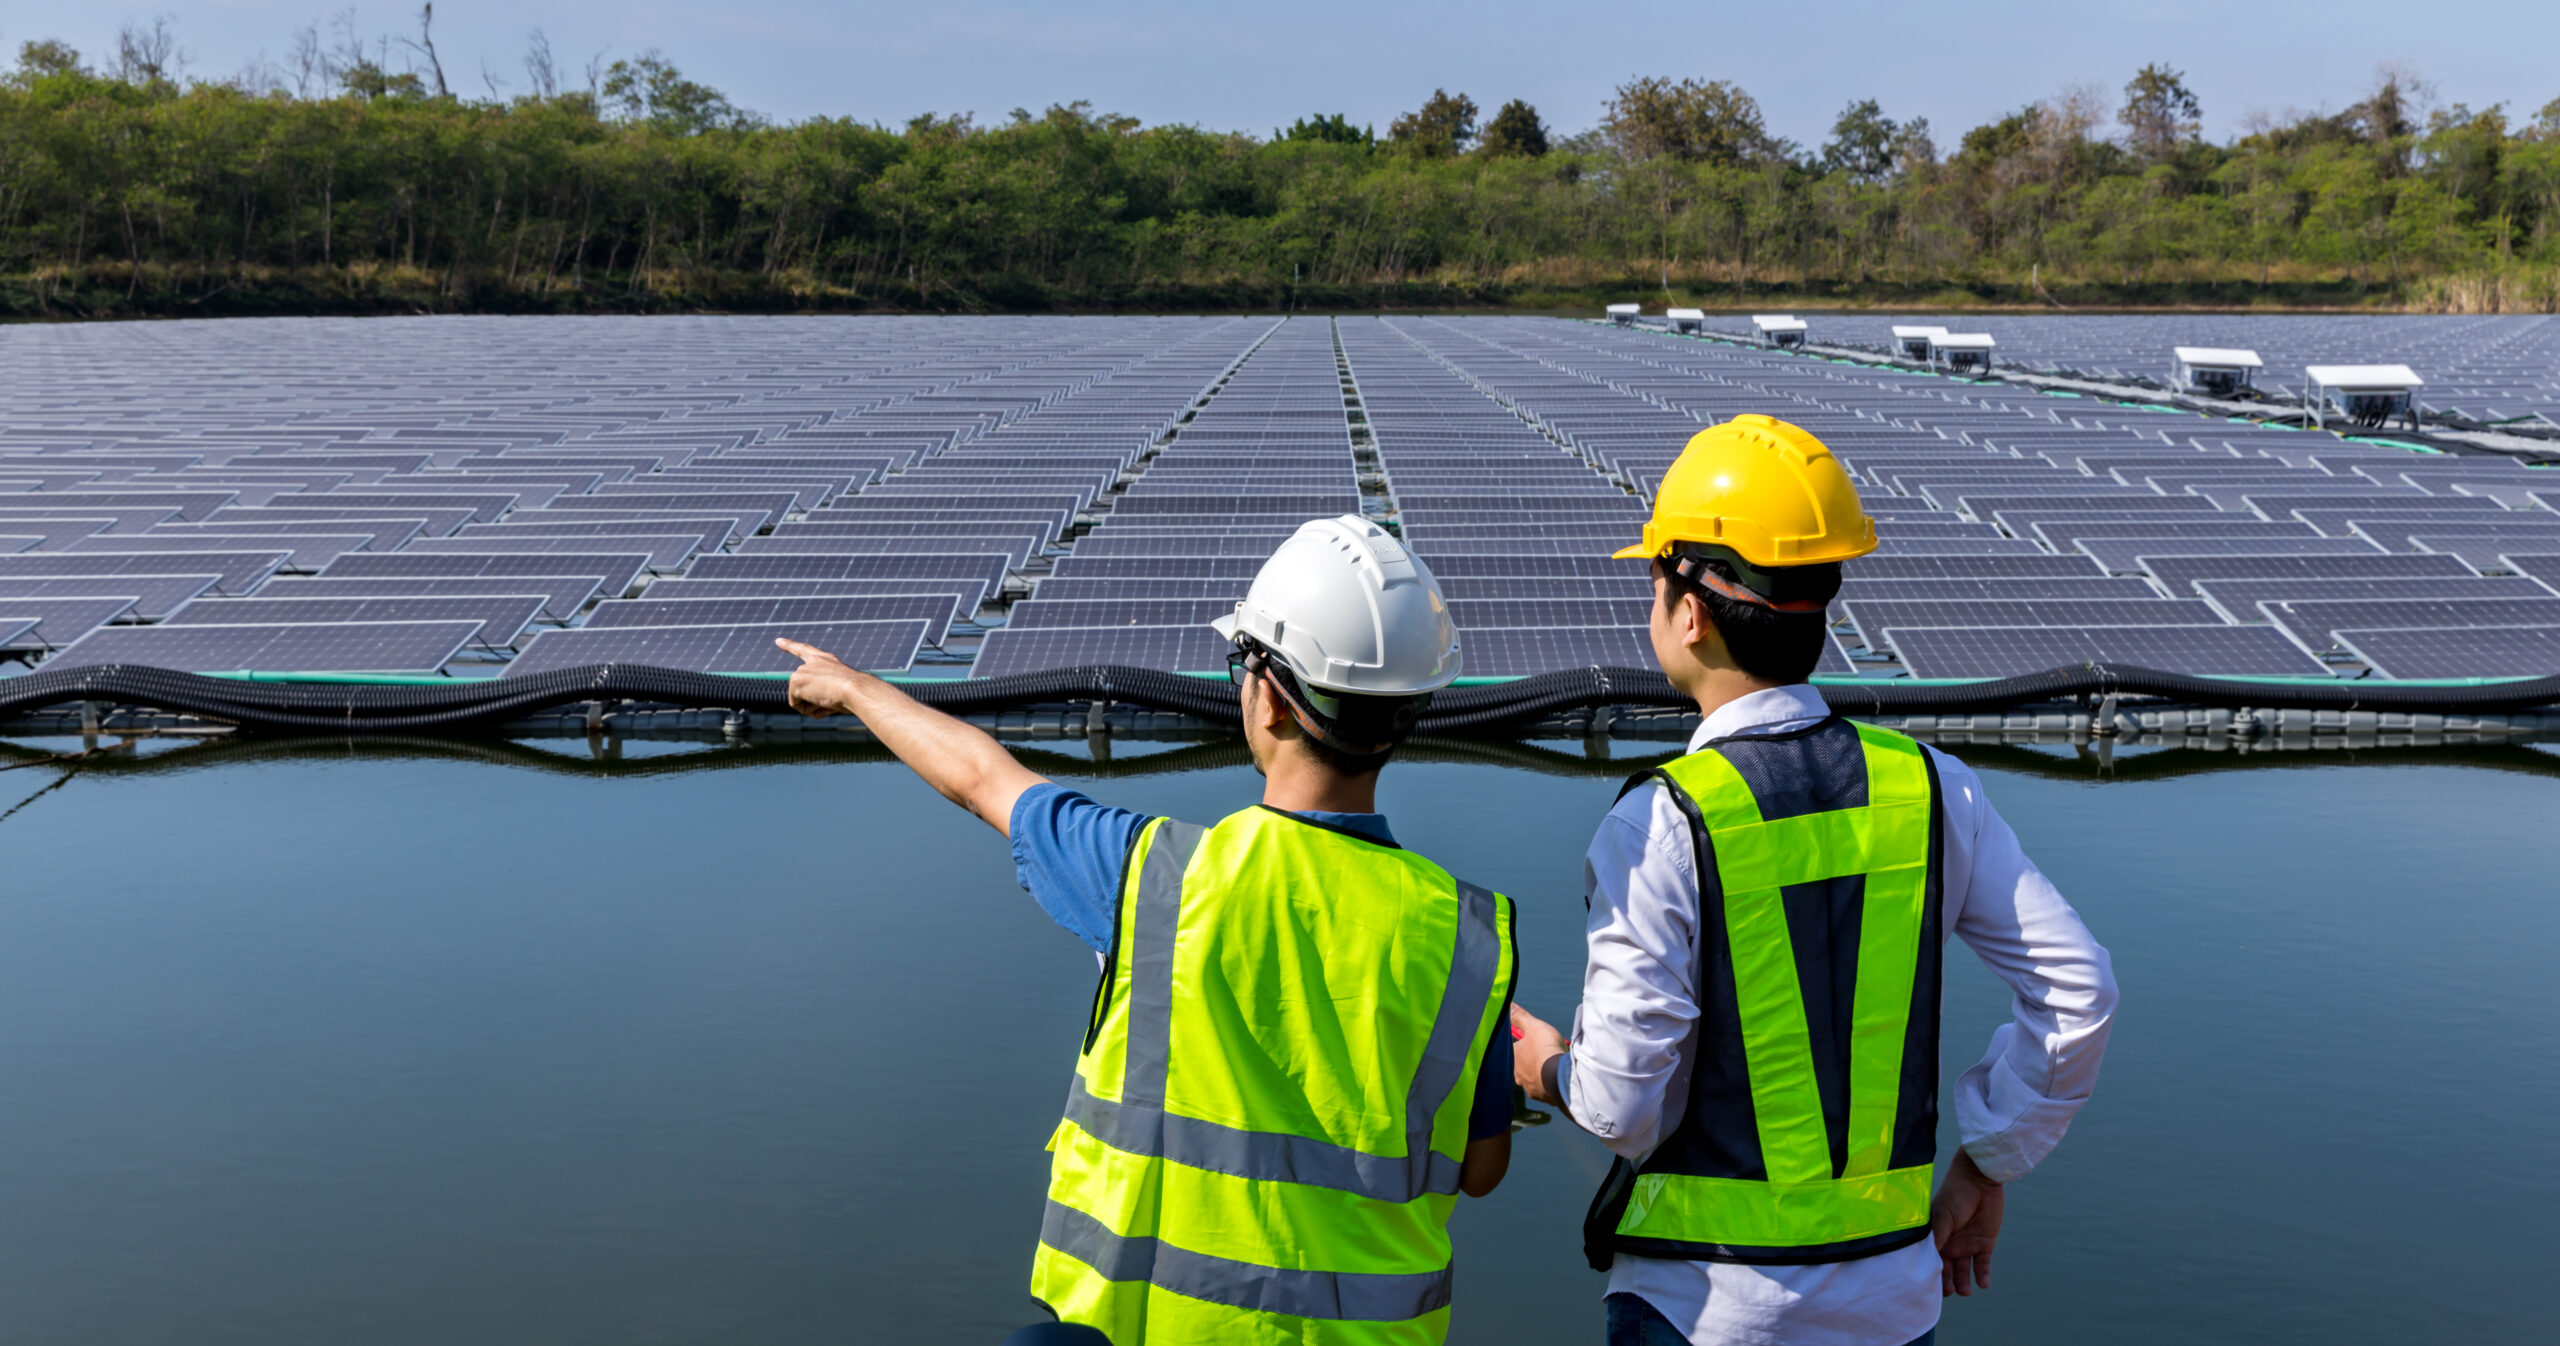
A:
x,y
2160,114
1707,121
1441,128
649,88
43,58
1335,129
1865,143
1514,131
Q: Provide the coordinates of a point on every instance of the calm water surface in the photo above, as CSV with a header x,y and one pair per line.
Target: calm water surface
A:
x,y
499,1044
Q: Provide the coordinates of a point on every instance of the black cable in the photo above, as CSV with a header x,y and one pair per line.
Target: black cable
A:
x,y
1496,708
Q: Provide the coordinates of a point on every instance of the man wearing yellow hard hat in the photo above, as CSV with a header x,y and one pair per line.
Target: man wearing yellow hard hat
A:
x,y
1758,1034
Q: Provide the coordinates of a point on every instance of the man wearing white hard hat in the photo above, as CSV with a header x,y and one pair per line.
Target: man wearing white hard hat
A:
x,y
1297,1057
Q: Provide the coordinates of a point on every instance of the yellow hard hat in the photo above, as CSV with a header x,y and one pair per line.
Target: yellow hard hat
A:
x,y
1765,490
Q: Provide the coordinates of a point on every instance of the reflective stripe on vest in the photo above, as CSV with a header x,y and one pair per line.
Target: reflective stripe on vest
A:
x,y
1827,1184
1266,1129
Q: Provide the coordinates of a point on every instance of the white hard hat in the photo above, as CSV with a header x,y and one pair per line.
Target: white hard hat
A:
x,y
1348,609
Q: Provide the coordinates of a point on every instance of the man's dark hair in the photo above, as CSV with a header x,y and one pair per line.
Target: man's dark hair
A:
x,y
1358,719
1773,646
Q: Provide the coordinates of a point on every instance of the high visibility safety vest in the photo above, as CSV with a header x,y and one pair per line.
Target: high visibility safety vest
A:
x,y
1263,1138
1812,1114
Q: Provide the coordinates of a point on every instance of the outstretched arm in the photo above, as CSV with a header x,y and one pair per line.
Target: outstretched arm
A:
x,y
969,767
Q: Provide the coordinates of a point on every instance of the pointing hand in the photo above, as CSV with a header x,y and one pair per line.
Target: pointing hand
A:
x,y
822,685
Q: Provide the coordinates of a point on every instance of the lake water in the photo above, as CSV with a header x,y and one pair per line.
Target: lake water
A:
x,y
497,1043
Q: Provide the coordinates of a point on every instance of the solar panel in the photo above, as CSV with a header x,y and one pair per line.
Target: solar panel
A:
x,y
1958,546
373,534
2238,600
1157,567
937,611
154,596
13,630
2473,652
612,572
886,647
2543,566
1018,549
1258,544
11,544
715,532
502,617
1044,613
666,551
2342,522
2124,555
967,595
2111,586
55,622
349,647
53,530
2311,621
767,506
1870,615
2482,550
187,504
304,551
562,595
1070,589
1473,613
2178,574
987,568
483,505
1515,652
1970,567
434,521
1175,649
233,571
2002,652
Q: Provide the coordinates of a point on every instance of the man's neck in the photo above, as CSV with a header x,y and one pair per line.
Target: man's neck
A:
x,y
1716,688
1297,784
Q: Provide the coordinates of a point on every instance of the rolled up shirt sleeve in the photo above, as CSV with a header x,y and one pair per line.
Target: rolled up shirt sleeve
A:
x,y
1067,853
1625,1080
2013,1106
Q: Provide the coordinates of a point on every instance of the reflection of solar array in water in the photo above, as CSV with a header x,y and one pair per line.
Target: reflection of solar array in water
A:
x,y
1133,474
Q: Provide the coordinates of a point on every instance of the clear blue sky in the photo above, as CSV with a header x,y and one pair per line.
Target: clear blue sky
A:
x,y
1253,66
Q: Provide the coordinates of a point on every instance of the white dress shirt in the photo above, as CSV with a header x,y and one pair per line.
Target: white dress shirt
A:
x,y
1627,1079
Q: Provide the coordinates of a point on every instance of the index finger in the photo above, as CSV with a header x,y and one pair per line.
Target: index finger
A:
x,y
800,651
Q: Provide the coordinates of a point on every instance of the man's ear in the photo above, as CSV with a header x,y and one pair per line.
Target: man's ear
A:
x,y
1269,709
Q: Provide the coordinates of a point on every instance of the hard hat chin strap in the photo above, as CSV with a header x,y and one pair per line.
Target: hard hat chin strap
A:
x,y
1322,728
1692,568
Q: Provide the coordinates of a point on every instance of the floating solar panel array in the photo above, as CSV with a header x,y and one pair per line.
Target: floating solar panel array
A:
x,y
2021,531
989,496
2483,368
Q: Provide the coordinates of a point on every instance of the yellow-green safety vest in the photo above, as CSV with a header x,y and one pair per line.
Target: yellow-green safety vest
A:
x,y
1811,1126
1263,1138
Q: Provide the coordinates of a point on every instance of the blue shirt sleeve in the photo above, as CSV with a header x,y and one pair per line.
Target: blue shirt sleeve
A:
x,y
1067,853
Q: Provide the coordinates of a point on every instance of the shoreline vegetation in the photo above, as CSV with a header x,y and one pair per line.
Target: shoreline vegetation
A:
x,y
352,180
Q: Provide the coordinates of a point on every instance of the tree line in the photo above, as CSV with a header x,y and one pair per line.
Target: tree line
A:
x,y
354,178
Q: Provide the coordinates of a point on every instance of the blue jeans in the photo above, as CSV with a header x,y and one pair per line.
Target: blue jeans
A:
x,y
1633,1322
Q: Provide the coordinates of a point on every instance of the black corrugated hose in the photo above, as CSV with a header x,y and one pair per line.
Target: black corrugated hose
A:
x,y
1491,709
